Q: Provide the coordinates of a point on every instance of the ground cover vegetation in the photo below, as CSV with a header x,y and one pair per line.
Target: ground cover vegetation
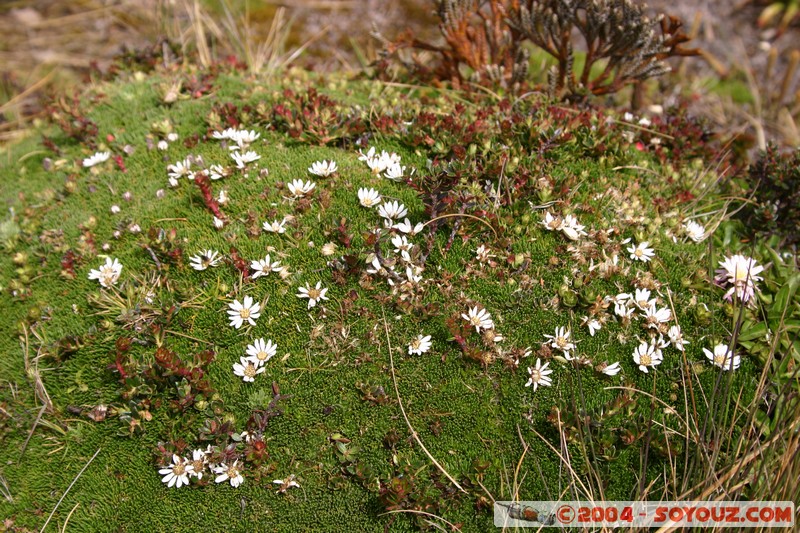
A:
x,y
318,302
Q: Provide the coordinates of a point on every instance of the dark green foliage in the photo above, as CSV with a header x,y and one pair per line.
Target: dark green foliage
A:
x,y
774,181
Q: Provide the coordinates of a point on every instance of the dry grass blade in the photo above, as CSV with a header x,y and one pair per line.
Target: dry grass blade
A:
x,y
32,371
5,490
423,513
68,489
403,410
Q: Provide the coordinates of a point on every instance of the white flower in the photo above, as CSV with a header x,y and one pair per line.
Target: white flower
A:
x,y
571,228
392,210
204,259
239,313
242,160
646,355
655,317
328,249
694,231
368,197
243,139
216,172
407,227
219,223
225,134
263,267
107,274
173,182
723,357
609,370
642,299
299,188
395,172
676,337
560,341
413,274
96,159
402,246
480,318
314,294
115,209
162,145
593,324
419,345
172,137
641,252
260,351
179,169
229,472
380,162
247,369
199,462
540,375
551,222
275,226
323,169
286,484
483,254
177,474
742,272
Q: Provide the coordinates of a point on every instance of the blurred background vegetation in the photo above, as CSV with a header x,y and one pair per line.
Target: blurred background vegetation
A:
x,y
745,81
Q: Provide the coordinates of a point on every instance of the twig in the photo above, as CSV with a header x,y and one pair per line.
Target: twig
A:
x,y
449,215
402,409
414,511
64,527
68,489
33,428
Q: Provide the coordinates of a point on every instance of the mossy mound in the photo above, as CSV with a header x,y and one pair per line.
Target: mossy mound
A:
x,y
143,368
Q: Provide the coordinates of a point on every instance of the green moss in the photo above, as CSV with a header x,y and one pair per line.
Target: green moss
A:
x,y
462,411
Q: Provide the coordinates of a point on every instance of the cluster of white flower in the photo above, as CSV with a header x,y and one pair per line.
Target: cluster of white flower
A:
x,y
177,473
163,144
258,353
384,162
568,225
240,139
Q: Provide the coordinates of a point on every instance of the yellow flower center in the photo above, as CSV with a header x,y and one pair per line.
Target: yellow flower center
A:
x,y
179,469
645,360
244,312
638,252
250,370
233,472
475,321
535,375
561,342
314,294
262,356
415,344
197,465
720,359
